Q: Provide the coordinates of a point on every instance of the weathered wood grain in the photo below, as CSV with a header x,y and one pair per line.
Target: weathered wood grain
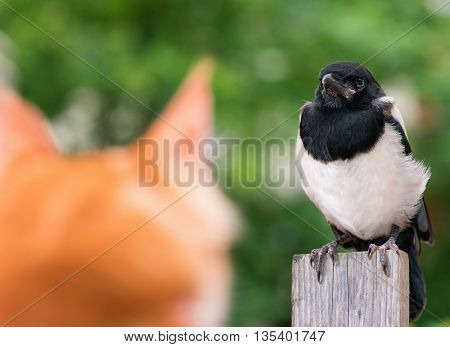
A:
x,y
354,291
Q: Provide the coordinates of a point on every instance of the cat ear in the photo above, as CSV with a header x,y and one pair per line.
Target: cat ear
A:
x,y
172,142
189,115
23,130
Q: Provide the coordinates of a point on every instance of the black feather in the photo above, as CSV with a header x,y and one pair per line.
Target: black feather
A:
x,y
421,222
408,241
345,120
330,135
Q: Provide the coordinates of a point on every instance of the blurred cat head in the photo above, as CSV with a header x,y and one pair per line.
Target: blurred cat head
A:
x,y
109,238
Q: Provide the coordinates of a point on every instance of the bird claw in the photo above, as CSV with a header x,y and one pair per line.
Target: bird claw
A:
x,y
317,255
388,245
371,251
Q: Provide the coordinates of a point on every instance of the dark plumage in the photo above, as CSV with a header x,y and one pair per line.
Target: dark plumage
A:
x,y
345,126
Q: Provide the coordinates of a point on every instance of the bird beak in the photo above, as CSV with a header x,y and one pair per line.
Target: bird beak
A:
x,y
336,88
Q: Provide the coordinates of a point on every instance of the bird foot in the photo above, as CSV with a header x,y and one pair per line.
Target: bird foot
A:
x,y
388,245
317,256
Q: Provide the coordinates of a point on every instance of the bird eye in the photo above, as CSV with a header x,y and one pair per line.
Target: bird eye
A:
x,y
359,83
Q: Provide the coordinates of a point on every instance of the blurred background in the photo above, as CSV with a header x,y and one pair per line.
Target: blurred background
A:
x,y
268,56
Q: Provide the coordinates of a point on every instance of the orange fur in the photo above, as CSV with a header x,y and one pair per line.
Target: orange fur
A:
x,y
58,213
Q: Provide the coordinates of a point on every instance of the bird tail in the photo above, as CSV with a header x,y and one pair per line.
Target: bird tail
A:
x,y
417,296
409,242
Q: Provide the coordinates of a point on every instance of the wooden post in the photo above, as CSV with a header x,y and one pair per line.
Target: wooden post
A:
x,y
354,291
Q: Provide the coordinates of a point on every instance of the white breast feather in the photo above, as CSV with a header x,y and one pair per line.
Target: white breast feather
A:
x,y
366,194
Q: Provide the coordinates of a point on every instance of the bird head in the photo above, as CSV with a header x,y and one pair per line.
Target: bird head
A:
x,y
346,84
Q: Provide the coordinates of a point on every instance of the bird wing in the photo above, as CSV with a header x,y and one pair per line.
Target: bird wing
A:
x,y
421,222
398,116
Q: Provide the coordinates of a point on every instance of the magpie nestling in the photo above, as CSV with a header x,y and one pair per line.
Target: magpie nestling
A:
x,y
356,166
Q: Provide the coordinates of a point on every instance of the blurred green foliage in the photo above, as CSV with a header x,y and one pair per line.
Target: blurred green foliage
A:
x,y
268,54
